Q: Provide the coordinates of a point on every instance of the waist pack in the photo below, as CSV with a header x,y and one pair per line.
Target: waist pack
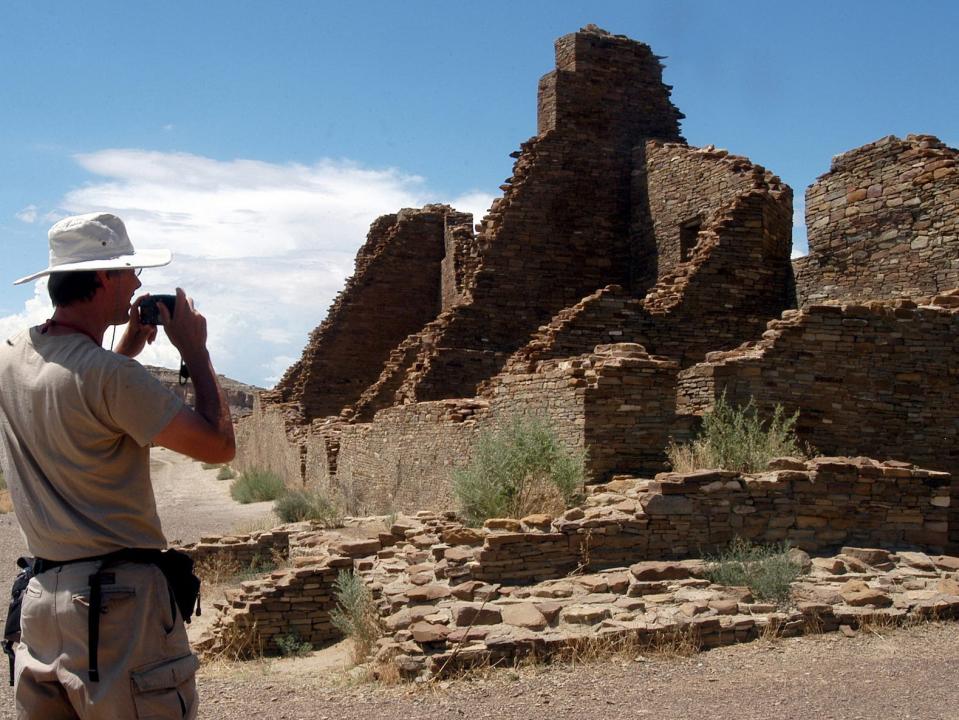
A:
x,y
11,629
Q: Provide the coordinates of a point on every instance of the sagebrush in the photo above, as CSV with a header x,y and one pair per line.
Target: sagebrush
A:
x,y
290,645
766,570
257,486
225,473
518,469
355,614
737,438
299,505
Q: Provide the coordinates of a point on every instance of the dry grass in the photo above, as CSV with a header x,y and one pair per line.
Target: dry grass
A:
x,y
6,505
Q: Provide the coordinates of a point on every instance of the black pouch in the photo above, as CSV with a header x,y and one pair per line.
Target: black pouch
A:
x,y
11,629
177,567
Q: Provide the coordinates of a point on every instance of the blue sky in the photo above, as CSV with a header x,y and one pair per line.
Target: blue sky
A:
x,y
259,140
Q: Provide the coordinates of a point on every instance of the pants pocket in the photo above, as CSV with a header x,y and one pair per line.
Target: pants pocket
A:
x,y
166,689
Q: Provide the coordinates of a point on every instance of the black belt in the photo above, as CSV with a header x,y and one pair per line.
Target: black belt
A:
x,y
41,565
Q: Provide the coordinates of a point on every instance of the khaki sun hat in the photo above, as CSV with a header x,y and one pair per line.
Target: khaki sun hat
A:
x,y
95,241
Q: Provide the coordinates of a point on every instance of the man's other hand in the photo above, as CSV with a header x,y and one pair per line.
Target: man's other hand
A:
x,y
136,335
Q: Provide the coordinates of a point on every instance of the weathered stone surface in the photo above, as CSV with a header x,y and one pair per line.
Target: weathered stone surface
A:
x,y
523,615
462,536
428,593
653,571
424,632
584,614
465,614
857,593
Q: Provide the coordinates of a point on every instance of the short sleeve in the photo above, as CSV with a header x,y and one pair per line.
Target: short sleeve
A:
x,y
138,403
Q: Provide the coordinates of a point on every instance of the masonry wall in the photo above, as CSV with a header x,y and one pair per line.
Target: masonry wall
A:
x,y
395,290
561,229
878,380
883,223
678,190
818,506
736,281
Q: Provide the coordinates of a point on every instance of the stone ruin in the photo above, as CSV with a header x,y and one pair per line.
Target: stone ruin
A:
x,y
622,282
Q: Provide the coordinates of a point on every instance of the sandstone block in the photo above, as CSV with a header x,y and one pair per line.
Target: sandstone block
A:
x,y
524,615
653,571
465,614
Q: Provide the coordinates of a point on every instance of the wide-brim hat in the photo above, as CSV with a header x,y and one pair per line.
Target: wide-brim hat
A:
x,y
95,241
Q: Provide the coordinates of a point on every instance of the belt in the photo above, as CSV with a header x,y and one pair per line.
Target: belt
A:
x,y
136,555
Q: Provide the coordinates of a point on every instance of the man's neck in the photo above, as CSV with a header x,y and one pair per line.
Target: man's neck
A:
x,y
67,320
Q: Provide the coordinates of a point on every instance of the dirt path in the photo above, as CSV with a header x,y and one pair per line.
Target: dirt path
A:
x,y
903,674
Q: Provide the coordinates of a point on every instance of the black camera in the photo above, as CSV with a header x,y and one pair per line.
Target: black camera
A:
x,y
149,314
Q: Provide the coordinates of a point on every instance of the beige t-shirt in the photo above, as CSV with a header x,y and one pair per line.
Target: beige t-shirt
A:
x,y
76,422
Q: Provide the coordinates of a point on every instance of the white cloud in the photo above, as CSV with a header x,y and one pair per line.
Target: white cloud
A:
x,y
263,248
28,214
35,311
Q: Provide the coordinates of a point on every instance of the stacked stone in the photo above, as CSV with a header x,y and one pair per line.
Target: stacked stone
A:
x,y
295,601
394,291
882,223
816,506
876,379
242,550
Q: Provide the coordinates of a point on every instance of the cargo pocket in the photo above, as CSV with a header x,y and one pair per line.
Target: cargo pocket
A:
x,y
166,689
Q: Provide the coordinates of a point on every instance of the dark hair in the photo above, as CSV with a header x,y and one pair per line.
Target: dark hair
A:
x,y
66,288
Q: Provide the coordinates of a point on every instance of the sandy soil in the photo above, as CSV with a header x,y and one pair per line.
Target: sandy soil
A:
x,y
895,675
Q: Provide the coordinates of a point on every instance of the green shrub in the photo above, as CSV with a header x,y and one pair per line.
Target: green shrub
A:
x,y
764,569
210,466
519,469
225,473
736,438
257,486
299,505
290,645
355,614
3,481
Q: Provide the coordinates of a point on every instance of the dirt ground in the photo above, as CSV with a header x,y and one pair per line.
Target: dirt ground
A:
x,y
900,674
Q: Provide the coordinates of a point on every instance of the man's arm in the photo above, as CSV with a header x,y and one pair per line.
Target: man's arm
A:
x,y
206,433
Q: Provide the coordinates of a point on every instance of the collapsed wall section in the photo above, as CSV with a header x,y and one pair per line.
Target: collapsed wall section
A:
x,y
734,282
396,289
561,229
680,190
878,379
883,223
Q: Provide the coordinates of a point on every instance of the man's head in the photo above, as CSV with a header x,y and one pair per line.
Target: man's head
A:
x,y
68,288
96,241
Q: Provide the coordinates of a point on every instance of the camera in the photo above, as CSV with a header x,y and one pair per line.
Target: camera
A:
x,y
149,314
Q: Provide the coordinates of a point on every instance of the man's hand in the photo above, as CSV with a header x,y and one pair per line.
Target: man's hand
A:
x,y
186,328
136,335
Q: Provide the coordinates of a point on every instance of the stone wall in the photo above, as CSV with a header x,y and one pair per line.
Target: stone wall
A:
x,y
734,282
878,379
817,506
680,190
883,223
293,602
395,290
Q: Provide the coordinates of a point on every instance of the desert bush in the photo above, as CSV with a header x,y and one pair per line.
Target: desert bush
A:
x,y
299,505
3,481
225,473
257,486
355,614
290,645
767,570
519,469
210,466
736,438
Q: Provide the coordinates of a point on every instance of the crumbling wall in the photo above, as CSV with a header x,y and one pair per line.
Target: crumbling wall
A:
x,y
816,506
395,290
679,191
877,379
561,229
883,223
735,281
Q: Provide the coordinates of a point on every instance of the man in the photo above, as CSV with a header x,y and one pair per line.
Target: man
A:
x,y
76,424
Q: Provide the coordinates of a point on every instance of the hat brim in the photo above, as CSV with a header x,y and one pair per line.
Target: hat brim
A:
x,y
138,259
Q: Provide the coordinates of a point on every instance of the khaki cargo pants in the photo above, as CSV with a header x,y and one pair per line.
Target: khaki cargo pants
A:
x,y
146,666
